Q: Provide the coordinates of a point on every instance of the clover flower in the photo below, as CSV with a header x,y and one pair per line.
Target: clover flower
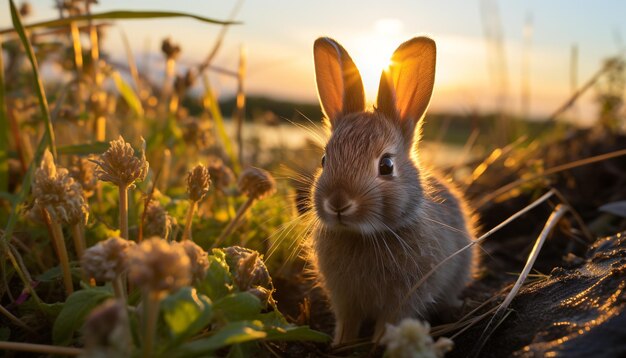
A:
x,y
256,183
119,165
411,339
107,259
159,266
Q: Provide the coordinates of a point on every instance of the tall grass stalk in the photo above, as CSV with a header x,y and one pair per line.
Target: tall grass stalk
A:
x,y
240,110
4,131
41,95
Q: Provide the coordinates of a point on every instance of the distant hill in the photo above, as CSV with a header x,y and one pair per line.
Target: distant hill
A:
x,y
448,127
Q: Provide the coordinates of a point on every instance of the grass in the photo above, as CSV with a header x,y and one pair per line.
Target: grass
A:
x,y
232,307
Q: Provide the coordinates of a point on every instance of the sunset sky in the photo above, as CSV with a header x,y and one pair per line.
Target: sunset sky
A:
x,y
278,37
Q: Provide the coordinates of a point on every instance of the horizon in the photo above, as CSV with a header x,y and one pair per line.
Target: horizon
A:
x,y
278,41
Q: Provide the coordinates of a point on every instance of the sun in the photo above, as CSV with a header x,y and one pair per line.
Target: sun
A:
x,y
372,52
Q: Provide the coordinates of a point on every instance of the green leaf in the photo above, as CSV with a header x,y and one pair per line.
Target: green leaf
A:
x,y
128,94
218,280
122,15
84,149
232,333
238,306
278,329
186,312
295,333
78,305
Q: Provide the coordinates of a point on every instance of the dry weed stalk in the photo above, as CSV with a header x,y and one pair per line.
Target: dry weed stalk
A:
x,y
499,315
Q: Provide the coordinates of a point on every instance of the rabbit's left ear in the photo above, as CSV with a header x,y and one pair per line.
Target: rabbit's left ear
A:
x,y
406,86
339,83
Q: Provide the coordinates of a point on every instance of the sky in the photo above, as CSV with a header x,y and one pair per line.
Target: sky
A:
x,y
278,35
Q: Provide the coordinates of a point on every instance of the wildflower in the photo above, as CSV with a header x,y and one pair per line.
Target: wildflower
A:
x,y
107,259
256,183
198,259
106,331
198,181
119,165
158,266
57,192
158,221
411,338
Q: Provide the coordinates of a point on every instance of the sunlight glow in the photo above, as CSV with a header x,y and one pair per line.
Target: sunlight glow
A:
x,y
372,51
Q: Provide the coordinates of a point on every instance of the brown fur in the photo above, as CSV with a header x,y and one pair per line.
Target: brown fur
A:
x,y
396,228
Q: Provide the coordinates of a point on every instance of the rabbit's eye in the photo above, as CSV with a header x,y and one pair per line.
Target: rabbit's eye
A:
x,y
323,159
385,167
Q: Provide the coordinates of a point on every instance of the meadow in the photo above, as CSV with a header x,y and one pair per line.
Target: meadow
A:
x,y
140,219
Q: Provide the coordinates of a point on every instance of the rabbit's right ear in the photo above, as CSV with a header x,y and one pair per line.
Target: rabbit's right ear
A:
x,y
339,83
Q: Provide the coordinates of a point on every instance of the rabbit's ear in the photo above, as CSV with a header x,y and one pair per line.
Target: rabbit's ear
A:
x,y
406,86
339,83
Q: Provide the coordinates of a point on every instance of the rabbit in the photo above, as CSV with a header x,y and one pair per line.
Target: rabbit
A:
x,y
383,219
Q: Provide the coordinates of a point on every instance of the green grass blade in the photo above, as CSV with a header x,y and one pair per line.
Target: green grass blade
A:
x,y
43,102
4,131
210,103
128,94
122,15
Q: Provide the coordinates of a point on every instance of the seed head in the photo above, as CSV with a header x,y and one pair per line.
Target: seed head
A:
x,y
158,220
249,272
411,338
198,181
57,192
199,259
170,49
159,266
107,259
221,175
119,165
256,183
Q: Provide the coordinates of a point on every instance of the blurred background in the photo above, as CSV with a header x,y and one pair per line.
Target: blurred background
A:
x,y
522,57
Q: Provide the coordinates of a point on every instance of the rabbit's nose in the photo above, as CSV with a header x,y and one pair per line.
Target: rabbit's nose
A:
x,y
338,206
